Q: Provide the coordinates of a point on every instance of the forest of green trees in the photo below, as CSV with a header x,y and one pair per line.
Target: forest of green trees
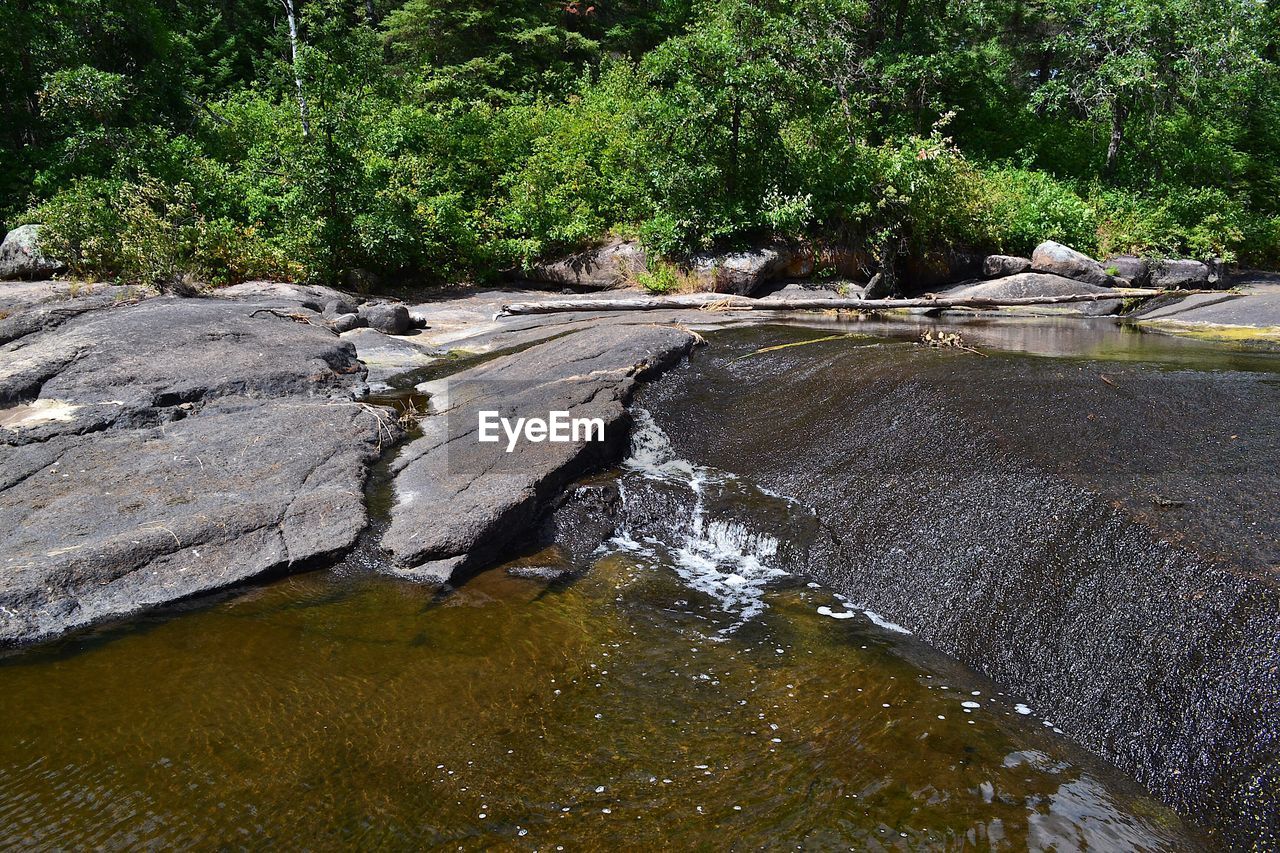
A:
x,y
449,140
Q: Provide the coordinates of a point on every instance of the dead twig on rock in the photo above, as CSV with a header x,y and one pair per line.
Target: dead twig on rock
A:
x,y
295,316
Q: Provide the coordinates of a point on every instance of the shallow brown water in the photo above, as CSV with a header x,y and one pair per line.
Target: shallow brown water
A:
x,y
322,711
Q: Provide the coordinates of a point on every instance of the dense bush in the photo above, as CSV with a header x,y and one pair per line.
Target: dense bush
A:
x,y
441,141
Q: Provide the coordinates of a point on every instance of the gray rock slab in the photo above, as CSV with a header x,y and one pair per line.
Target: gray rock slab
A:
x,y
133,365
1175,306
459,501
27,307
98,526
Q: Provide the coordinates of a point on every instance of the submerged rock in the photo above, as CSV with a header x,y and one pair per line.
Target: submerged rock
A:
x,y
1098,537
460,501
1055,258
21,257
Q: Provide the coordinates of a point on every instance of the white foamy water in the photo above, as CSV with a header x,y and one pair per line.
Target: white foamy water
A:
x,y
721,558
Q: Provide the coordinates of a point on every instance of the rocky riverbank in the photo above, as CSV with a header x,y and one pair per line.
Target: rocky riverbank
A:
x,y
156,447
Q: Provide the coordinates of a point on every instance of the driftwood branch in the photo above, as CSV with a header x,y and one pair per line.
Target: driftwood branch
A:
x,y
721,302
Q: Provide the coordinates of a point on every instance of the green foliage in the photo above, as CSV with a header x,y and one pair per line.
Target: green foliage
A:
x,y
1024,207
150,232
660,278
437,141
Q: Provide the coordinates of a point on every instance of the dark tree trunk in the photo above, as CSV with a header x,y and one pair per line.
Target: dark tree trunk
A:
x,y
1118,115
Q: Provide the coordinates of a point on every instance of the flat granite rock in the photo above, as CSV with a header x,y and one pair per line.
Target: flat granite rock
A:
x,y
132,365
1250,315
28,307
102,525
460,501
152,451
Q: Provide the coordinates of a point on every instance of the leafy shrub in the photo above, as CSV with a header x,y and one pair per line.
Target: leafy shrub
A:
x,y
148,232
1022,207
1200,222
659,278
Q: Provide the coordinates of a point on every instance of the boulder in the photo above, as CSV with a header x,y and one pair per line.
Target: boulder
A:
x,y
346,322
1179,272
614,264
1055,258
280,294
391,319
878,288
459,501
20,255
740,273
361,280
1039,284
1131,268
997,266
338,307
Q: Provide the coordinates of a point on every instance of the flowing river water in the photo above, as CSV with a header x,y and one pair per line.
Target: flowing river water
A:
x,y
691,689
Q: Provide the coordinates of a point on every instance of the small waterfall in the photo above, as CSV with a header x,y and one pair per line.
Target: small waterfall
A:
x,y
718,556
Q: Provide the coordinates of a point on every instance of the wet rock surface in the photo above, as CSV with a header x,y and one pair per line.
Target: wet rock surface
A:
x,y
1121,575
460,501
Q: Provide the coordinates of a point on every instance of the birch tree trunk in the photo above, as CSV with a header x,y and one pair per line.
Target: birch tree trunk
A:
x,y
303,112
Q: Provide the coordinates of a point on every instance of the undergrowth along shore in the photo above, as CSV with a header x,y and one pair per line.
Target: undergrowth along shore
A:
x,y
446,141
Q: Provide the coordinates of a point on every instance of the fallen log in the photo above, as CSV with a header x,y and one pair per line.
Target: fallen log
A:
x,y
721,302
